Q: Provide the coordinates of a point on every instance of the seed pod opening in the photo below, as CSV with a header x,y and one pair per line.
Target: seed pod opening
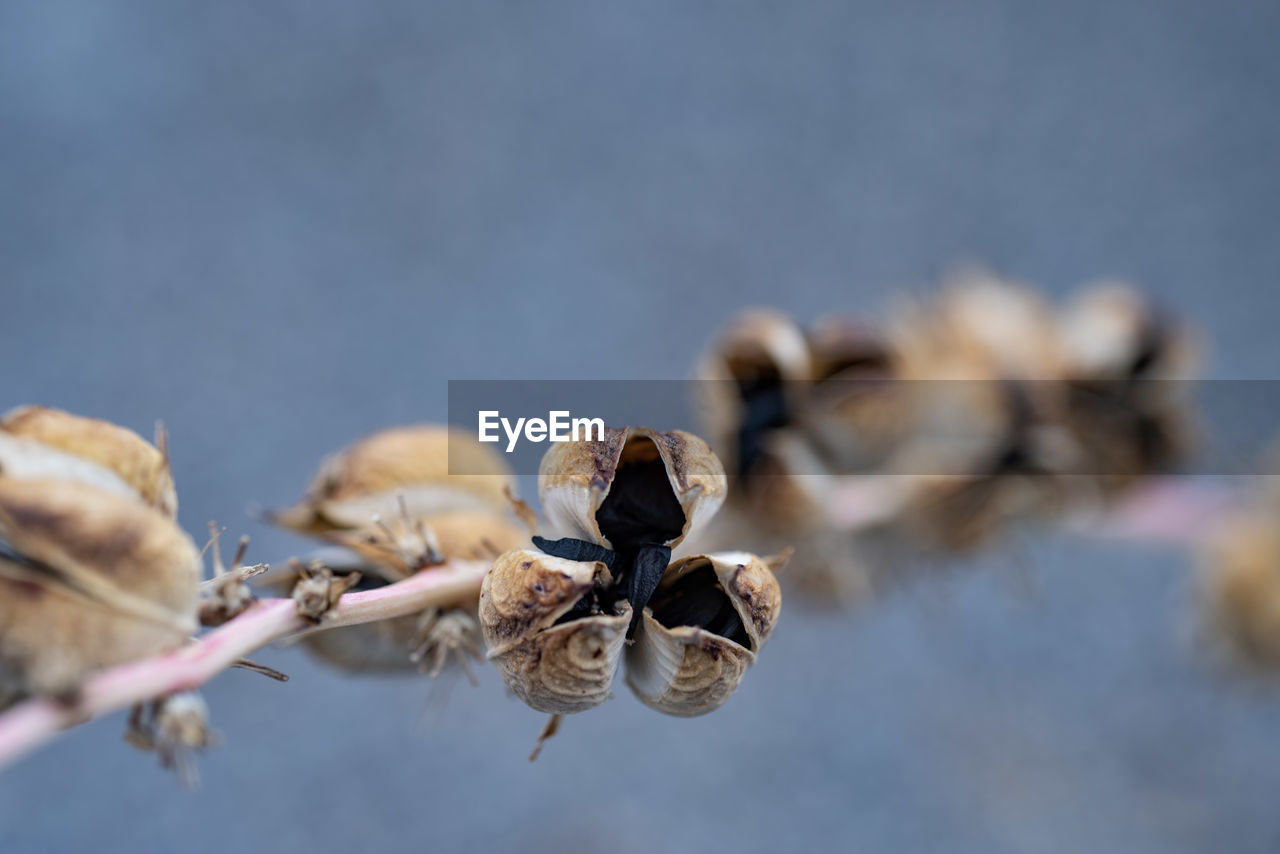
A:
x,y
40,442
637,492
88,580
553,629
707,621
635,486
748,383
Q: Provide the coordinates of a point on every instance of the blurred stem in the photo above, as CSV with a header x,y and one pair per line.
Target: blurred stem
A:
x,y
1164,510
35,722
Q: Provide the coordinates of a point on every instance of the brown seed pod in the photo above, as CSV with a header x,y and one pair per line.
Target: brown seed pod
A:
x,y
1241,586
40,442
853,413
978,327
405,469
1111,331
1127,395
985,441
88,580
749,382
635,483
703,628
551,631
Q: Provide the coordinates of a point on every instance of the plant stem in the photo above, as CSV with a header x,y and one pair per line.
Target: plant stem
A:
x,y
34,722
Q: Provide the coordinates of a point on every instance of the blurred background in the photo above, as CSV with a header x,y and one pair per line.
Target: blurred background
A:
x,y
278,226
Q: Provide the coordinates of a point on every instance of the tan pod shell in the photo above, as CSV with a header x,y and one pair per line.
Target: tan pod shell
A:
x,y
687,670
558,669
98,580
575,478
40,442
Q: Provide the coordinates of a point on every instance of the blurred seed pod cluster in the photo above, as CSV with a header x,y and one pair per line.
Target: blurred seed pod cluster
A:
x,y
560,619
960,414
391,505
94,571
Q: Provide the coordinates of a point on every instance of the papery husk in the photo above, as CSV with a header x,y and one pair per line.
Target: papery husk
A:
x,y
41,442
91,580
559,668
401,467
686,670
1128,365
758,348
1241,586
575,478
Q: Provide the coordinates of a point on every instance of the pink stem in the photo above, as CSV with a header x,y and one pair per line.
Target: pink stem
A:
x,y
1174,511
35,722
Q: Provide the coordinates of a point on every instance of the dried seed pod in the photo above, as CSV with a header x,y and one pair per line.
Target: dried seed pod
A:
x,y
40,442
88,580
854,412
1111,331
704,627
978,328
405,469
552,629
635,485
749,382
1127,363
985,441
1241,586
637,493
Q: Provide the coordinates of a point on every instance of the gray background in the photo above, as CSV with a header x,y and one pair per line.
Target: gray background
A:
x,y
280,225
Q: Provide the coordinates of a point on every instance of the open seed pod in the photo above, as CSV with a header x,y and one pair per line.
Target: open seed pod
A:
x,y
985,443
978,328
703,628
636,485
749,383
1111,331
553,630
1127,367
415,642
88,579
40,442
854,411
401,470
